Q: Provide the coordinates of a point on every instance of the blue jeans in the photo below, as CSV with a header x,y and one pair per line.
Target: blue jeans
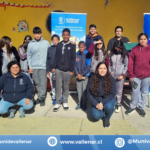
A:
x,y
5,105
108,109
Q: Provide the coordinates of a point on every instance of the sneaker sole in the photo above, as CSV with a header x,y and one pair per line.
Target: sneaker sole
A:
x,y
130,112
66,109
116,111
57,109
107,127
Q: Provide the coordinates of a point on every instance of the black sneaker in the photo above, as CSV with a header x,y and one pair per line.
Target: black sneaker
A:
x,y
37,101
117,108
129,111
106,123
141,112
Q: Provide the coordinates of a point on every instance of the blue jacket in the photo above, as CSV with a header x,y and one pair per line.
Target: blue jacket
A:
x,y
16,89
82,63
90,40
37,54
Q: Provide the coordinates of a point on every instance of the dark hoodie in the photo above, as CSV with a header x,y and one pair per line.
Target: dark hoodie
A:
x,y
139,62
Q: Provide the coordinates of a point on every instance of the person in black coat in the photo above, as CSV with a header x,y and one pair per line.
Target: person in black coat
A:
x,y
17,90
101,91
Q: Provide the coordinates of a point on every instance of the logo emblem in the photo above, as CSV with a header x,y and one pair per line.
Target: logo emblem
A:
x,y
21,82
52,141
60,20
68,48
119,142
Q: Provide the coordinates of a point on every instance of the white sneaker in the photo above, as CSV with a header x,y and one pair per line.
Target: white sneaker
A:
x,y
117,109
65,106
56,107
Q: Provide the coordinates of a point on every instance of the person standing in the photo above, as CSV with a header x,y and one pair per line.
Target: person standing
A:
x,y
118,69
92,36
49,65
118,36
63,67
36,56
139,74
82,73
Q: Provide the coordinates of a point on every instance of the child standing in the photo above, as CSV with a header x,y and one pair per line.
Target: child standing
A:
x,y
82,72
118,68
64,67
49,64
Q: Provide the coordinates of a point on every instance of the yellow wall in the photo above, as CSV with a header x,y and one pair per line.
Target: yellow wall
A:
x,y
127,13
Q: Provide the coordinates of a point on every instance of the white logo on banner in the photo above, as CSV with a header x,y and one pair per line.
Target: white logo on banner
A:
x,y
61,20
52,141
119,142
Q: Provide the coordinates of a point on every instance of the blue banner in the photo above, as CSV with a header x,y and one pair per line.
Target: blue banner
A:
x,y
146,27
75,142
74,21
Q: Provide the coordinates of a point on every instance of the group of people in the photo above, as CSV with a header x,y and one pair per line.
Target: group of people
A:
x,y
100,73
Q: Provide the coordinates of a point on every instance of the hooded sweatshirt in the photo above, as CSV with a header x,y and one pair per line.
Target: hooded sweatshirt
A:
x,y
101,58
91,38
139,62
82,63
37,53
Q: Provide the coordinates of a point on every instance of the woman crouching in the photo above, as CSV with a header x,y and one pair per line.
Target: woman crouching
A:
x,y
17,90
101,92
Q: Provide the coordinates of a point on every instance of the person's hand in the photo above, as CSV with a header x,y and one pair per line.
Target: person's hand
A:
x,y
31,70
71,73
53,70
128,42
98,106
48,75
73,42
120,77
101,106
27,101
108,52
131,80
79,77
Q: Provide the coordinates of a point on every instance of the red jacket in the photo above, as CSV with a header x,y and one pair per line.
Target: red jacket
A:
x,y
139,62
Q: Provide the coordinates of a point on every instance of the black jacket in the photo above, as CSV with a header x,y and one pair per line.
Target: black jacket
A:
x,y
50,58
14,50
65,61
100,96
16,89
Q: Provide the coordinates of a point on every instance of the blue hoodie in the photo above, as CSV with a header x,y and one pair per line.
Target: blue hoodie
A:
x,y
16,89
37,53
82,63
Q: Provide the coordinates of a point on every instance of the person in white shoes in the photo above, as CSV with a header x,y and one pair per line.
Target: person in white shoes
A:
x,y
118,66
63,67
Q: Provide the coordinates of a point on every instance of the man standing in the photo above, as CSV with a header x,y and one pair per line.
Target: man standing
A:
x,y
118,36
92,36
36,56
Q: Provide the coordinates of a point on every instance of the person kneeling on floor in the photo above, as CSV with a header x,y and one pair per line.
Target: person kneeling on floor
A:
x,y
17,90
101,91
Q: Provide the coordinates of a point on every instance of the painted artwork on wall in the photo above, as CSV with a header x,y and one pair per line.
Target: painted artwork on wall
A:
x,y
22,26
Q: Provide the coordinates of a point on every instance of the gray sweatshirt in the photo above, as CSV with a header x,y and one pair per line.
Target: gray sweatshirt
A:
x,y
6,60
37,53
118,68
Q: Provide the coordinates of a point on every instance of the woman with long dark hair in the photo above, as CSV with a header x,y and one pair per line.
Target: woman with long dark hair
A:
x,y
101,91
98,53
6,54
118,68
139,73
22,51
